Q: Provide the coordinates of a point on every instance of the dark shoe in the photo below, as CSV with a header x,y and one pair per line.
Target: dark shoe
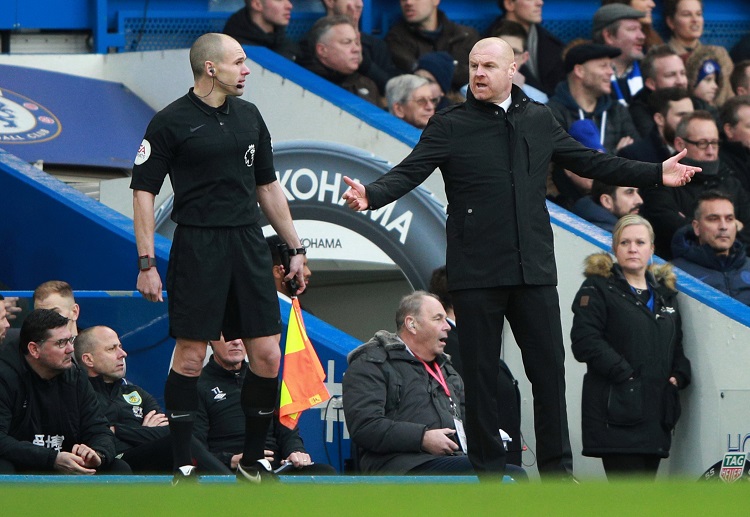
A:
x,y
257,473
185,475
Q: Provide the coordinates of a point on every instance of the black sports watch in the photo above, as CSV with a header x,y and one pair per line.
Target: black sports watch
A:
x,y
297,251
145,262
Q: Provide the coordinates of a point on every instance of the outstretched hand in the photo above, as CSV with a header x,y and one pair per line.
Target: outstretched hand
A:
x,y
355,197
676,174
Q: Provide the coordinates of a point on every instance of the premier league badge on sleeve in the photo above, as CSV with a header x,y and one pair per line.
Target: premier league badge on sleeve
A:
x,y
250,155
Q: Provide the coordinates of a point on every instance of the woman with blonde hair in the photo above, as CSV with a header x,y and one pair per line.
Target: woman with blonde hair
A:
x,y
627,329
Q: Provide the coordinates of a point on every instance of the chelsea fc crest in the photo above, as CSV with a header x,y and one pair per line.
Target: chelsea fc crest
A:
x,y
23,121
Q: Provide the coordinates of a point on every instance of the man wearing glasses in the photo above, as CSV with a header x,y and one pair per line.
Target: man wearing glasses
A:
x,y
670,209
410,98
49,418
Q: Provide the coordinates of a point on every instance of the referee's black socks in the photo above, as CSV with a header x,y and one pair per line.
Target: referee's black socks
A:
x,y
181,401
259,396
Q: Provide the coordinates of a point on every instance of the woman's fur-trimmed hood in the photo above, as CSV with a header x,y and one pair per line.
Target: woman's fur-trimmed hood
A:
x,y
600,264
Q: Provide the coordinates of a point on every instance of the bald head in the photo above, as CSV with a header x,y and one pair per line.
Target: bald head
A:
x,y
99,350
209,47
491,70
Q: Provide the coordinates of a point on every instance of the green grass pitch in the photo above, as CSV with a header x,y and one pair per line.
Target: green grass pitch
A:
x,y
223,500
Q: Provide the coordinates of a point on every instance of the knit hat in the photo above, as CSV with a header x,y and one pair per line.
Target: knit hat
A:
x,y
441,65
586,132
610,13
708,67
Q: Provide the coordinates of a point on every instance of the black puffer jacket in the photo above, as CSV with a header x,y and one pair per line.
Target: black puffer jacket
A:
x,y
390,401
628,405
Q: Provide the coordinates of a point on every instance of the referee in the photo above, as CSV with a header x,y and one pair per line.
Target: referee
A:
x,y
217,152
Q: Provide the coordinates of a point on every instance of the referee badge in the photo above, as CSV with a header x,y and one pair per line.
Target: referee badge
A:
x,y
144,151
250,155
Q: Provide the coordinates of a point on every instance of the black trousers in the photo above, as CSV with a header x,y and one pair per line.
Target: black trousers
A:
x,y
623,466
534,316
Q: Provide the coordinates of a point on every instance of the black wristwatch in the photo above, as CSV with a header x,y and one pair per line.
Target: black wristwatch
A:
x,y
145,262
297,251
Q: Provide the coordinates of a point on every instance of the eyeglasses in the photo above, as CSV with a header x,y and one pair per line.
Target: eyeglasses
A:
x,y
703,144
61,343
424,101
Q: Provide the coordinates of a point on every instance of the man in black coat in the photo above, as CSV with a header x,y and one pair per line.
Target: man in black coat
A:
x,y
220,422
49,417
140,427
494,151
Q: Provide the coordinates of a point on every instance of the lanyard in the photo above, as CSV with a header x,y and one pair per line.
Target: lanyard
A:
x,y
438,376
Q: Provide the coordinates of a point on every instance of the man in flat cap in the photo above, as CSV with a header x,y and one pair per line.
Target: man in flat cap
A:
x,y
584,100
619,25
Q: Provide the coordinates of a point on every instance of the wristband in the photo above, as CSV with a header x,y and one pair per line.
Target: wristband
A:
x,y
297,251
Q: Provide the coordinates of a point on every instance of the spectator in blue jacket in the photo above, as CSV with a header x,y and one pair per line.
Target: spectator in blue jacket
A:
x,y
710,251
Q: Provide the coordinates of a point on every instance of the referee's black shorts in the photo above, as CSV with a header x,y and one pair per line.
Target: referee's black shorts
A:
x,y
220,280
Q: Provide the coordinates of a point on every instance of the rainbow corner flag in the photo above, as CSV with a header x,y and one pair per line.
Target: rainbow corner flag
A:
x,y
302,385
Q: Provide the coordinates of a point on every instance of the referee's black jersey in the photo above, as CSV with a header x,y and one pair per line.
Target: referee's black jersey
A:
x,y
215,158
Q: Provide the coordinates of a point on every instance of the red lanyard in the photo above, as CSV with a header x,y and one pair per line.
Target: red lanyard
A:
x,y
437,376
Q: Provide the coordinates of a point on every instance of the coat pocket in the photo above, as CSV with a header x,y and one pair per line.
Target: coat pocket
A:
x,y
672,409
625,403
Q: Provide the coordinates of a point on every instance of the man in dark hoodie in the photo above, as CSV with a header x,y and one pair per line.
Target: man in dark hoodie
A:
x,y
582,104
49,417
140,427
708,249
263,23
